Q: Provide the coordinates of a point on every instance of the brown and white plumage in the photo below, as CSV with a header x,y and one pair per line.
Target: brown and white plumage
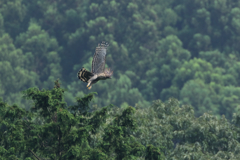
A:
x,y
98,67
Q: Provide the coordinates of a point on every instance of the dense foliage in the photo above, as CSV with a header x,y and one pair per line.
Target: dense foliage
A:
x,y
54,130
187,49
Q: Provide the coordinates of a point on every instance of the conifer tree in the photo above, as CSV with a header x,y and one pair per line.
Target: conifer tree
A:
x,y
53,130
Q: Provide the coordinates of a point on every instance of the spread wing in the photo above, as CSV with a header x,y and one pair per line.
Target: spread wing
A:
x,y
98,63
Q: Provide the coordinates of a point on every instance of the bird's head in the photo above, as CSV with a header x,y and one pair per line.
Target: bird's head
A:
x,y
108,73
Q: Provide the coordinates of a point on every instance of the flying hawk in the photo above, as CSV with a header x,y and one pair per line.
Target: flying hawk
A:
x,y
98,67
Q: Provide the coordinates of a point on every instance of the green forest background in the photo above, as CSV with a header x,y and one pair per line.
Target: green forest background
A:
x,y
185,49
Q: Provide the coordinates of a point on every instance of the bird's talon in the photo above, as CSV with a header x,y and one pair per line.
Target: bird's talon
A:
x,y
89,87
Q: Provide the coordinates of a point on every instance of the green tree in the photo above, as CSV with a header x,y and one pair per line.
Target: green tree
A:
x,y
14,75
42,54
198,94
57,131
181,135
208,25
14,14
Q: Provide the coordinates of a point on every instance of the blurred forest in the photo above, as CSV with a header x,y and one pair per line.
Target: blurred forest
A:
x,y
186,49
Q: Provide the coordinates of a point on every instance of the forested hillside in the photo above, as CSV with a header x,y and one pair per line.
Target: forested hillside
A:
x,y
175,88
186,49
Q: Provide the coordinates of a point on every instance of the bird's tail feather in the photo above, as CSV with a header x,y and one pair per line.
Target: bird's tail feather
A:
x,y
84,75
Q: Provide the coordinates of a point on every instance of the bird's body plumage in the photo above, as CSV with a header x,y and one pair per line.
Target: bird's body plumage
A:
x,y
98,71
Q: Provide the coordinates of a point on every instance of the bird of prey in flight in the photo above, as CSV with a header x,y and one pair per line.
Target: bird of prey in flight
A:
x,y
98,67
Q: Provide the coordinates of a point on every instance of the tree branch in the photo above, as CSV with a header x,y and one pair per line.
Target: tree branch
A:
x,y
34,154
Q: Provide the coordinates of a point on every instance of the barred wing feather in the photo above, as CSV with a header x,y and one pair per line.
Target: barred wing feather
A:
x,y
98,63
